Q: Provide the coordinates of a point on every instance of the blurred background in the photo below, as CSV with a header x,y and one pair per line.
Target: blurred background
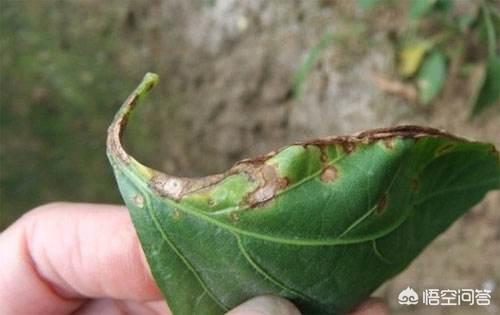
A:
x,y
238,79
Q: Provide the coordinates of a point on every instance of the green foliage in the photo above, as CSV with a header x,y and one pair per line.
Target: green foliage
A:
x,y
431,77
312,55
436,33
411,55
58,90
489,91
310,60
419,8
322,223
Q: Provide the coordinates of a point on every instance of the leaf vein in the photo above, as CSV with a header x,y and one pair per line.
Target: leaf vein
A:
x,y
459,188
184,259
165,237
265,274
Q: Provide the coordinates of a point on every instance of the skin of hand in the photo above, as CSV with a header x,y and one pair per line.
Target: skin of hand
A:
x,y
74,258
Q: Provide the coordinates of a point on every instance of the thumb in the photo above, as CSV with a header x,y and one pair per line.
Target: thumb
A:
x,y
265,305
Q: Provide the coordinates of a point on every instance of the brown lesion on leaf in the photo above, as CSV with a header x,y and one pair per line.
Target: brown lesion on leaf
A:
x,y
269,183
329,174
211,203
414,185
177,187
381,205
348,142
257,160
176,214
493,149
115,131
323,154
234,217
348,146
138,200
406,131
388,143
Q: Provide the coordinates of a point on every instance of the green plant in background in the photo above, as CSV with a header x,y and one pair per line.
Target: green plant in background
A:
x,y
311,57
314,53
323,223
436,34
58,83
431,76
489,91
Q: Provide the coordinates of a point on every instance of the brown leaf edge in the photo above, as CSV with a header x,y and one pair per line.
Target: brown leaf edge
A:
x,y
176,187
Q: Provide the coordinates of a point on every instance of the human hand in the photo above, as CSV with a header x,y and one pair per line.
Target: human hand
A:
x,y
68,258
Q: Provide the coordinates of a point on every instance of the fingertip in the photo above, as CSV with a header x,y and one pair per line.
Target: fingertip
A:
x,y
265,305
87,250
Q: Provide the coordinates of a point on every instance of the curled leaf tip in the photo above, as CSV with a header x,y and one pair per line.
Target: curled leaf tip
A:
x,y
165,185
148,82
115,130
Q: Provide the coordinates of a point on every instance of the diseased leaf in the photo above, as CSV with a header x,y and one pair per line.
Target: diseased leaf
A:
x,y
322,223
431,77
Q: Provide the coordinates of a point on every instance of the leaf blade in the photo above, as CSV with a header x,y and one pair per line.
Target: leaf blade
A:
x,y
431,77
322,223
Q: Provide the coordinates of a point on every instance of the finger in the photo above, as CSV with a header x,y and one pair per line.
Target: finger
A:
x,y
59,254
265,305
372,306
112,307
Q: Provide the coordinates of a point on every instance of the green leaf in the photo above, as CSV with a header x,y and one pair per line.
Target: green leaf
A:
x,y
490,30
310,60
489,91
419,8
322,223
444,5
465,21
431,77
411,55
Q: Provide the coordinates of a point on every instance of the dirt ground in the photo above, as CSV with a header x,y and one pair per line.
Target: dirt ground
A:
x,y
227,70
